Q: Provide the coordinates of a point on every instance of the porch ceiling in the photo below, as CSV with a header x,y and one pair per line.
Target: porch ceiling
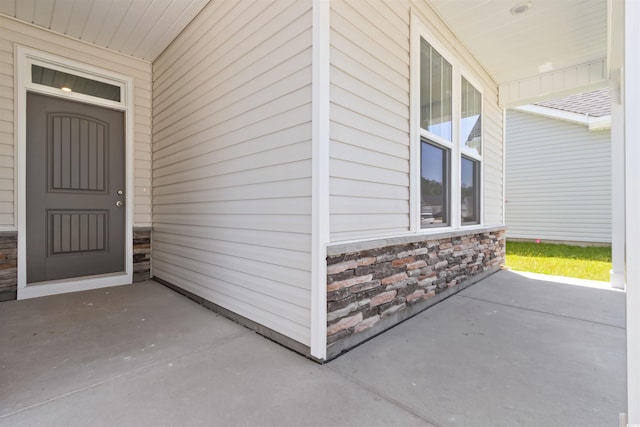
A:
x,y
555,48
140,28
563,40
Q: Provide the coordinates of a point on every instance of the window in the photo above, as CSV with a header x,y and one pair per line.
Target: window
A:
x,y
434,185
435,92
449,136
72,83
469,191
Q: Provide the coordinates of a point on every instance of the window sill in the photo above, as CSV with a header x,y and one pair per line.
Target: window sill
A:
x,y
420,236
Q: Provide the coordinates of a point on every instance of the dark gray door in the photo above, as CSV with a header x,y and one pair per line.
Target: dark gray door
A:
x,y
75,189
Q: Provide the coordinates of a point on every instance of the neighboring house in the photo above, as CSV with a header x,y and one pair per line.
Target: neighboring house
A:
x,y
319,171
558,170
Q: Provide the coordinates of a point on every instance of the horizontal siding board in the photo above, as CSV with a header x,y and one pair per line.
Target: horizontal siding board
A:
x,y
345,134
277,256
268,239
230,148
252,192
361,223
284,223
270,276
276,173
271,206
232,161
350,188
369,157
558,180
208,165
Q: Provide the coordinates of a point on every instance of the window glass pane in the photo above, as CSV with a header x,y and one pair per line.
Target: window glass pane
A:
x,y
434,186
470,130
470,191
435,92
60,79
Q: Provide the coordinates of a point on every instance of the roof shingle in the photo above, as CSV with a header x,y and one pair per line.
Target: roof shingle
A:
x,y
593,104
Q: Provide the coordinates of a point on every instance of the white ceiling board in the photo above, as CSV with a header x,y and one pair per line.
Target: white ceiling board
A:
x,y
551,35
140,28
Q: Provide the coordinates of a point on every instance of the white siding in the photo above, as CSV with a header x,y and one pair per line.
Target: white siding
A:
x,y
558,180
13,33
369,147
232,161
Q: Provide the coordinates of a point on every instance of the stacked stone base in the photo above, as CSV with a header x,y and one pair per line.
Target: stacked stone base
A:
x,y
8,265
141,254
375,285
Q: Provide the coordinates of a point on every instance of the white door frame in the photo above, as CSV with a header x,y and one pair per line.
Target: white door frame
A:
x,y
25,58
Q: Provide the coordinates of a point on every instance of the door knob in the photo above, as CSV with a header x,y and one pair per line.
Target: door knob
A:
x,y
119,203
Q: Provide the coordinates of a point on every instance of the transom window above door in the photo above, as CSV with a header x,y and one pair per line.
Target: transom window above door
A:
x,y
67,82
46,74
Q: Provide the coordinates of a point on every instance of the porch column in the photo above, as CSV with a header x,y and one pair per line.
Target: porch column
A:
x,y
632,175
617,182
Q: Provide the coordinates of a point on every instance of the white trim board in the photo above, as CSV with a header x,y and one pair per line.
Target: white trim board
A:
x,y
593,123
24,57
320,178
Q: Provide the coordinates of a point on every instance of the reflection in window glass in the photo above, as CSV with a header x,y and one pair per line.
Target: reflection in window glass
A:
x,y
60,79
470,124
470,191
435,92
434,186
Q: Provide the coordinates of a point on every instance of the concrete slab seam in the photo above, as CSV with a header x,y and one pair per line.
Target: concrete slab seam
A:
x,y
383,396
542,312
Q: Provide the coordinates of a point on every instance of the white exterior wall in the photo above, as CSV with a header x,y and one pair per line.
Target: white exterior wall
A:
x,y
232,161
558,180
14,33
369,148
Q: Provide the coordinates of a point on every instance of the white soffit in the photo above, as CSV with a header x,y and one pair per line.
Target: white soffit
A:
x,y
139,28
551,40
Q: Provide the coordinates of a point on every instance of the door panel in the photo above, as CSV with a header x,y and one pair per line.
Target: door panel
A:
x,y
75,176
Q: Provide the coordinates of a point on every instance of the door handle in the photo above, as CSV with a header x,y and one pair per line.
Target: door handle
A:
x,y
119,203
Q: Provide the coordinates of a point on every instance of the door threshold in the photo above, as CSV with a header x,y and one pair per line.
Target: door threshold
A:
x,y
63,286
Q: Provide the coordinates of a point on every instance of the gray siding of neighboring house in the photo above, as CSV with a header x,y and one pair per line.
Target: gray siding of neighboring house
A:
x,y
558,177
232,161
369,113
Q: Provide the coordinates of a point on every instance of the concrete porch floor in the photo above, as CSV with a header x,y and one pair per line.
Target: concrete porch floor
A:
x,y
508,351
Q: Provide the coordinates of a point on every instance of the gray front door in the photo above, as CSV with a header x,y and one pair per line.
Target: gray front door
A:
x,y
75,189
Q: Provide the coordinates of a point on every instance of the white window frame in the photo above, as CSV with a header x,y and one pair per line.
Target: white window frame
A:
x,y
25,57
418,31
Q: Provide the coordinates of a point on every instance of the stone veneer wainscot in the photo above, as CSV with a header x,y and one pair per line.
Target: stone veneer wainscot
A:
x,y
373,285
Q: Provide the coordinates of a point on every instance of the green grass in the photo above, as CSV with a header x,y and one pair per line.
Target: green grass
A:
x,y
591,263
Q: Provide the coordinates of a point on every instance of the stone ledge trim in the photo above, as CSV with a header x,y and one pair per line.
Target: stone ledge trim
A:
x,y
364,245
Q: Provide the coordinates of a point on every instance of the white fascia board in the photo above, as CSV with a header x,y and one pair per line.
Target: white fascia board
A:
x,y
593,123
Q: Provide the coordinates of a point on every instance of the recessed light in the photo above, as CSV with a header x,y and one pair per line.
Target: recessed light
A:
x,y
520,8
65,89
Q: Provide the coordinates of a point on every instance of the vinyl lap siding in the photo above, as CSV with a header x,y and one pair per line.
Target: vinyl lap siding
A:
x,y
13,33
7,183
232,161
369,116
369,147
492,158
558,180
